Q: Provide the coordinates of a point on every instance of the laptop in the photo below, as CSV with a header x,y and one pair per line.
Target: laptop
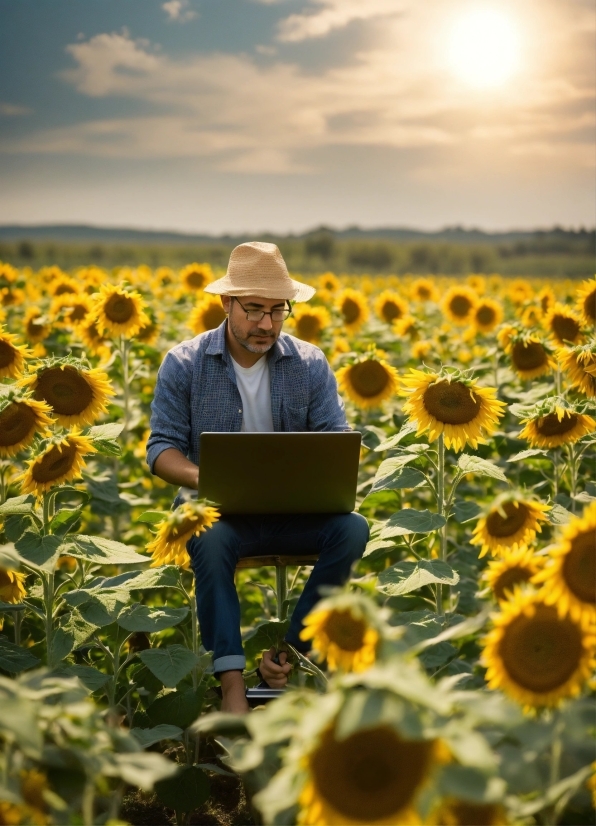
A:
x,y
280,472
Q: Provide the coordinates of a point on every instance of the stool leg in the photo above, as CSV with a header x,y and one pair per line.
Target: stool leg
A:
x,y
281,587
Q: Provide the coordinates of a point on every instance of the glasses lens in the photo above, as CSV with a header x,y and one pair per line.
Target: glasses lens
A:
x,y
279,315
254,315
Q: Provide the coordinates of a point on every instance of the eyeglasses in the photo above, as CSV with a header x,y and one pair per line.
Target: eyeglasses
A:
x,y
259,315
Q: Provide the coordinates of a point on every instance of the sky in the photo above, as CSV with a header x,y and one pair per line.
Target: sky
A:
x,y
282,115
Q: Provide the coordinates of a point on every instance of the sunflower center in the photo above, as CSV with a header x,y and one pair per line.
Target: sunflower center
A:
x,y
451,402
390,311
308,326
62,289
369,378
485,315
195,279
579,567
514,519
34,328
119,308
350,310
551,426
370,775
565,328
213,316
541,653
460,305
78,312
509,578
7,354
189,524
16,423
345,630
528,356
424,293
66,391
55,463
590,305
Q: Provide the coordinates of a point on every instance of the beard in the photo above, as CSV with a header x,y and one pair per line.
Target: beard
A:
x,y
244,339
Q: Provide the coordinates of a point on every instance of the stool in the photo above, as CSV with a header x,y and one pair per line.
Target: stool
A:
x,y
281,573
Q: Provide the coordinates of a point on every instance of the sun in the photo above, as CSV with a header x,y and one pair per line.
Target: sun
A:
x,y
484,48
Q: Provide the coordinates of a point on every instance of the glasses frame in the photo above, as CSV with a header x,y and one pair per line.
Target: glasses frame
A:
x,y
287,310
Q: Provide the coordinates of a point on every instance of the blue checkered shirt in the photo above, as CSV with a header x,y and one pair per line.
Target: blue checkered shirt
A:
x,y
196,391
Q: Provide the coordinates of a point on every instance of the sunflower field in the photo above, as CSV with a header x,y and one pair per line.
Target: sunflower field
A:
x,y
452,681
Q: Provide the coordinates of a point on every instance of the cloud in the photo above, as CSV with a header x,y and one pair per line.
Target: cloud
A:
x,y
335,14
179,10
277,117
12,110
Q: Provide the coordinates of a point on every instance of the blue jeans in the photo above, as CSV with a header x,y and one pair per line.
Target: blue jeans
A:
x,y
339,539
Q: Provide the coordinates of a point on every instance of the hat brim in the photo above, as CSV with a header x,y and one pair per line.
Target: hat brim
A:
x,y
296,292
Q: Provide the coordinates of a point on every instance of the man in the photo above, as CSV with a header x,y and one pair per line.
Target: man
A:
x,y
249,375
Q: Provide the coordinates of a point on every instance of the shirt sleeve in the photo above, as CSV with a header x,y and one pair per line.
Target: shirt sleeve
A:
x,y
326,409
170,408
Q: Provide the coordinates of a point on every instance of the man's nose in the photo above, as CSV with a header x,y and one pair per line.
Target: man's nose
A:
x,y
265,323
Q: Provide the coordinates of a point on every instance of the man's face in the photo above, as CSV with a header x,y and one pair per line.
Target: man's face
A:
x,y
254,336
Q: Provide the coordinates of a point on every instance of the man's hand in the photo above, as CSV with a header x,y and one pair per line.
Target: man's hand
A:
x,y
275,675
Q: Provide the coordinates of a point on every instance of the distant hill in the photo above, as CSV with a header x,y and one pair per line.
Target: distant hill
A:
x,y
82,233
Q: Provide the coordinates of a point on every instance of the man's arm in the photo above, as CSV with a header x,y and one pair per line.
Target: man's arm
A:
x,y
173,467
326,409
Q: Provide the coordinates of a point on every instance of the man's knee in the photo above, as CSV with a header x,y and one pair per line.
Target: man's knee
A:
x,y
352,533
218,546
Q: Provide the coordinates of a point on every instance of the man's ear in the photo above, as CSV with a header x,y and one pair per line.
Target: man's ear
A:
x,y
226,302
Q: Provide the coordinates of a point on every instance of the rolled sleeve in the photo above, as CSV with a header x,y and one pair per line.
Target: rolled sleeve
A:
x,y
170,410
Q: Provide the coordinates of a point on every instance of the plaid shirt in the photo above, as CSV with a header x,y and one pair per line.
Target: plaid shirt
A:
x,y
196,391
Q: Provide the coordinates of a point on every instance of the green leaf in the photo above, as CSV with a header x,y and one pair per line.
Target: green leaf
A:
x,y
169,664
388,444
481,467
92,678
406,577
104,436
461,629
149,736
72,632
178,708
407,477
391,467
39,552
265,635
152,516
17,505
377,546
143,618
185,791
9,557
469,783
371,436
438,655
13,658
104,551
525,454
167,576
142,768
558,515
411,520
465,511
64,520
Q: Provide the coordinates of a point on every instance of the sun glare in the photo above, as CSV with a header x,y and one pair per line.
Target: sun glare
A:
x,y
484,48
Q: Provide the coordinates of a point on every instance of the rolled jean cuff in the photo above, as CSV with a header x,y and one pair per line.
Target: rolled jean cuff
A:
x,y
233,662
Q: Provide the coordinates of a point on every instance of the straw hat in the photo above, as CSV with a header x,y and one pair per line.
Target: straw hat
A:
x,y
257,268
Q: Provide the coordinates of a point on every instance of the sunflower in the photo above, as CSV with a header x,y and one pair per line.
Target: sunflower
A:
x,y
310,322
169,545
12,296
532,316
487,315
35,325
353,308
421,349
546,299
149,331
520,291
8,274
530,357
92,338
458,812
368,381
164,276
61,460
407,326
510,524
62,285
10,814
343,633
330,282
451,405
21,417
34,785
76,396
477,283
389,306
569,579
514,568
506,333
69,309
195,277
586,302
207,315
12,355
423,289
119,311
557,427
535,656
579,363
563,324
12,589
459,304
373,776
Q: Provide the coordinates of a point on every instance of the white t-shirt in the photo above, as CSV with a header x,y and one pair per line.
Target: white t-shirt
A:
x,y
255,392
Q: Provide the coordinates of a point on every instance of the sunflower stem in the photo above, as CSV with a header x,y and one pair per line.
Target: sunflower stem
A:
x,y
572,474
124,354
441,512
556,751
48,601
